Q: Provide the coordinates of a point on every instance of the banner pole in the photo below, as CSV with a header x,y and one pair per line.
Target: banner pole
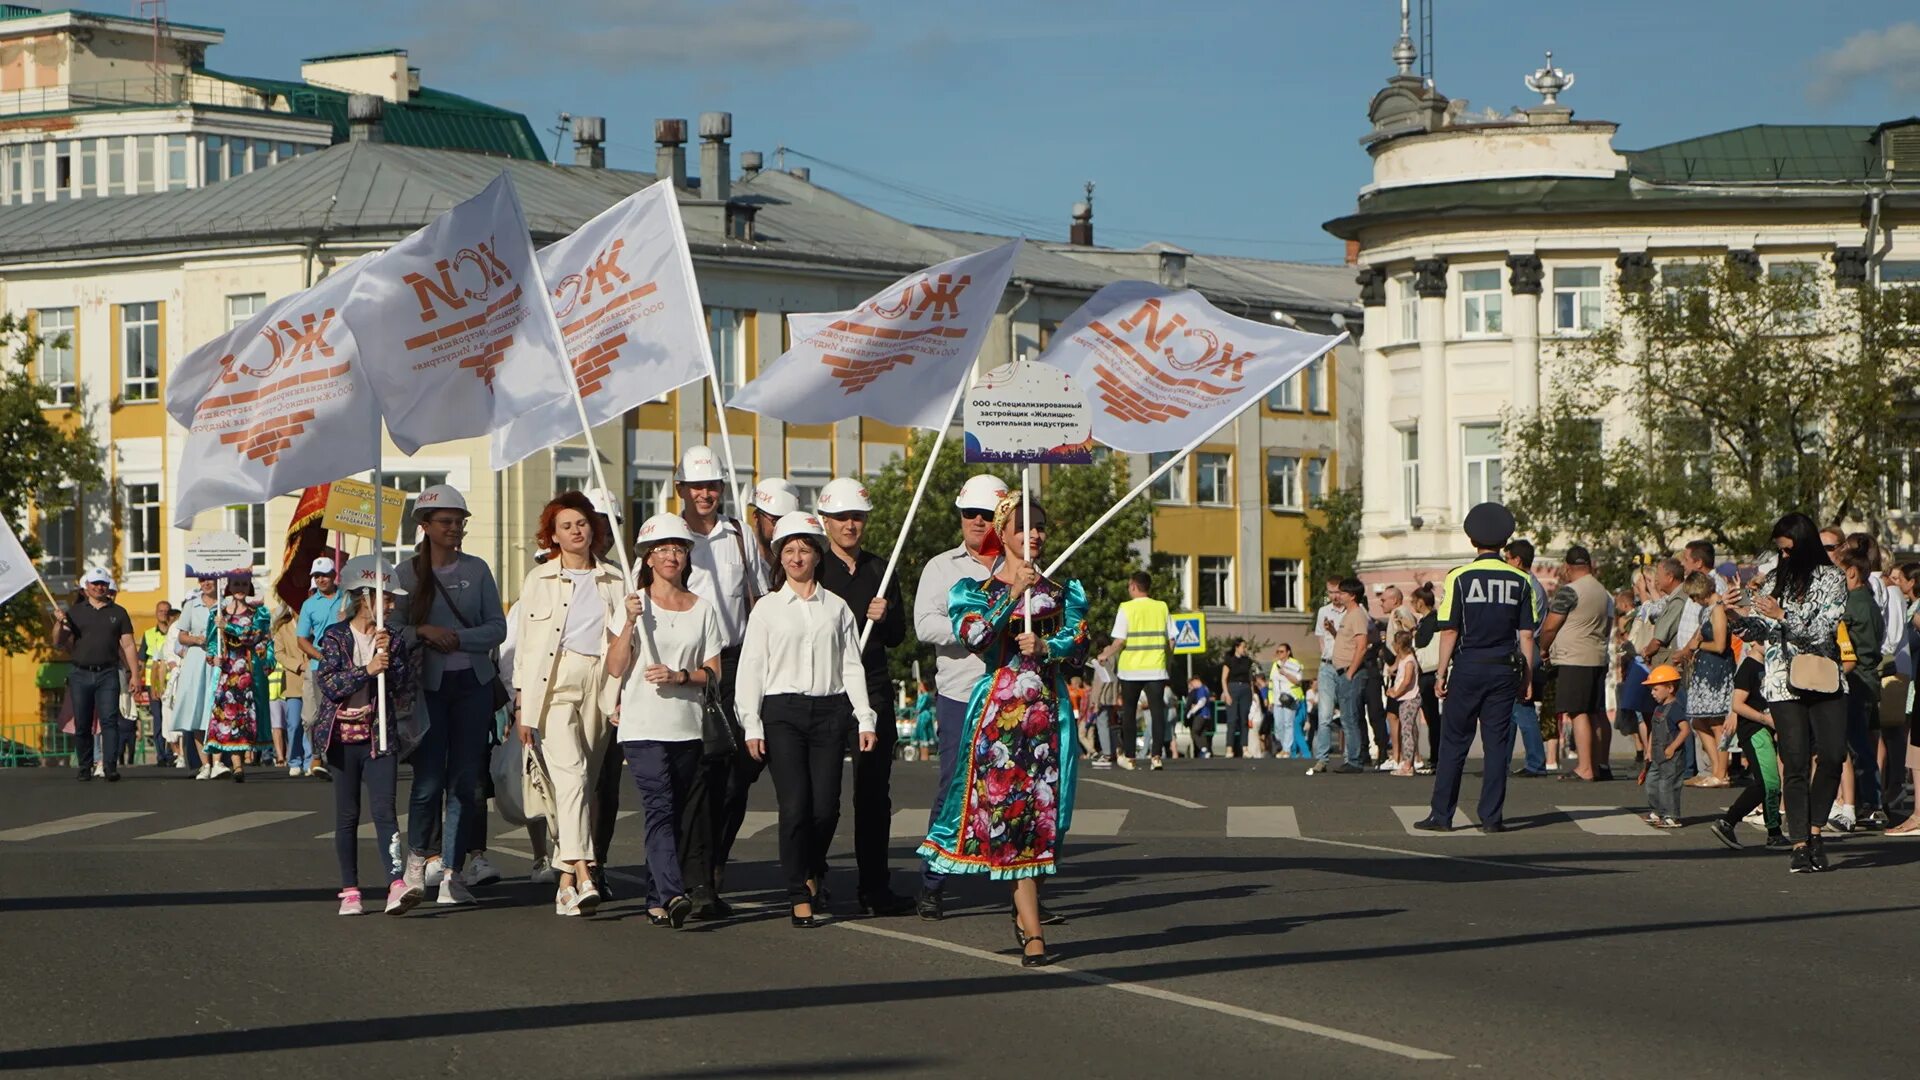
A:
x,y
913,507
1026,538
379,578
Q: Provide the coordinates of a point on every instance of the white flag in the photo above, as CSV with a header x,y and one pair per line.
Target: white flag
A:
x,y
623,290
897,357
456,327
1163,369
278,403
16,570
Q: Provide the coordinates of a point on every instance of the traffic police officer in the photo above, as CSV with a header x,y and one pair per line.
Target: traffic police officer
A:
x,y
1487,613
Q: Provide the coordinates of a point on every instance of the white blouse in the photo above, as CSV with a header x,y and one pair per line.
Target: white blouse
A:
x,y
678,640
798,645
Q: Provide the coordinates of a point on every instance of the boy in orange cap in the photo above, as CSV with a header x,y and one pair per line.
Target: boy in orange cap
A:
x,y
1667,734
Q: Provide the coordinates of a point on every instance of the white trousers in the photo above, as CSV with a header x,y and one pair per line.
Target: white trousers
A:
x,y
573,740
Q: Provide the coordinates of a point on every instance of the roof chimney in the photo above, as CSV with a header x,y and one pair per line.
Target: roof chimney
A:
x,y
1080,234
716,170
801,173
590,142
670,153
1173,269
751,163
363,118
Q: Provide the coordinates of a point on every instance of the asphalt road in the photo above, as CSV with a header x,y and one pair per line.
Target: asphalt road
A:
x,y
1234,918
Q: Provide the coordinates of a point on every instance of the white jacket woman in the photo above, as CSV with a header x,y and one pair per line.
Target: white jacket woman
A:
x,y
566,667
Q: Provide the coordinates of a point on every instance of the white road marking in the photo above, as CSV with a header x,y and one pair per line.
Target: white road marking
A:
x,y
1608,820
758,821
1091,979
1462,826
69,824
1262,821
631,879
1098,822
366,832
207,830
1175,800
1543,870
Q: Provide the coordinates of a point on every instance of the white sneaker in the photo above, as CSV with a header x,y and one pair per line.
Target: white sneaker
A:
x,y
1125,762
480,872
1385,766
436,871
567,902
543,873
295,770
206,771
179,763
99,770
454,891
219,771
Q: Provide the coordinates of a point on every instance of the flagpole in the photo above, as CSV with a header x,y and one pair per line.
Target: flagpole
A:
x,y
913,507
379,576
1026,540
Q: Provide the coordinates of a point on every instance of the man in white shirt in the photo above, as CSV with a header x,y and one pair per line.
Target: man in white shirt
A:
x,y
728,573
956,669
1325,622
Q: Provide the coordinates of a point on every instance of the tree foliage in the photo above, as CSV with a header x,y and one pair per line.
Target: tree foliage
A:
x,y
1333,542
1712,403
46,460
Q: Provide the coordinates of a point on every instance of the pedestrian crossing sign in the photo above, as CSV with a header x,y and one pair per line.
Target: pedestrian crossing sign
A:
x,y
1189,634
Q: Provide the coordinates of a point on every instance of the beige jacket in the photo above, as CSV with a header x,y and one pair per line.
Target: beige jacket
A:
x,y
540,620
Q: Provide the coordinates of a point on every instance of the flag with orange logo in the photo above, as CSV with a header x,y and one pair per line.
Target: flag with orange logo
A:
x,y
898,357
274,405
456,327
623,289
1165,369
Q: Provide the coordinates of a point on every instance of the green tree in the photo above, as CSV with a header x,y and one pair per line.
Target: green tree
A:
x,y
46,459
1333,541
1729,397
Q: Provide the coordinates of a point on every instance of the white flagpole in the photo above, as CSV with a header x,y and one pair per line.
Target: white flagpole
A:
x,y
706,353
1026,538
913,507
379,580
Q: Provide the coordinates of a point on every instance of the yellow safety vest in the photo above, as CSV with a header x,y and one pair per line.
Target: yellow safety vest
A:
x,y
1146,643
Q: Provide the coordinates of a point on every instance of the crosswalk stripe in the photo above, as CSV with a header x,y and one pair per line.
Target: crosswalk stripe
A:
x,y
1462,826
1262,821
1098,822
1607,820
365,832
757,821
70,824
207,830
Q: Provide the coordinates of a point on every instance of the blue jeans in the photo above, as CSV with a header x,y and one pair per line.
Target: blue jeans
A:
x,y
1526,720
1329,706
1337,687
96,698
299,754
447,764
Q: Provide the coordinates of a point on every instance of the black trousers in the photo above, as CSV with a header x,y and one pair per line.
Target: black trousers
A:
x,y
1130,691
354,765
1373,699
1804,727
729,780
806,737
873,798
1430,702
606,799
664,773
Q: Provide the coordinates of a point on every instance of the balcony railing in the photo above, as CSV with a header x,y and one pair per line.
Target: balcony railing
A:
x,y
163,90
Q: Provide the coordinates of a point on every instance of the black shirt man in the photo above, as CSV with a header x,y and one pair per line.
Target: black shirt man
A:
x,y
97,636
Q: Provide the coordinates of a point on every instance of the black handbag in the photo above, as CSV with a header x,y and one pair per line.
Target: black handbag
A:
x,y
718,737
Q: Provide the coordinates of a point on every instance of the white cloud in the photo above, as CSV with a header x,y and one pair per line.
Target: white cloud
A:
x,y
617,36
1892,54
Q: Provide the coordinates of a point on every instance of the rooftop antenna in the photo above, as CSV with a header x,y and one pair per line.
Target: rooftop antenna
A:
x,y
155,12
559,130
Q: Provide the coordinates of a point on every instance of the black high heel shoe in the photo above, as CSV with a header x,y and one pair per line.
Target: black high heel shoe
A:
x,y
1042,958
804,922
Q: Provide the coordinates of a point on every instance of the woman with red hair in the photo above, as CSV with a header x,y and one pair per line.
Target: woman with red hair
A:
x,y
569,657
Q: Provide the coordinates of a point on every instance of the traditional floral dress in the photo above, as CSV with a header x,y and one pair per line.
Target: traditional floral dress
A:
x,y
243,654
1013,801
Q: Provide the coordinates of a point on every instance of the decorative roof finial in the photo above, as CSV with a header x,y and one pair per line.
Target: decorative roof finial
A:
x,y
1404,54
1549,82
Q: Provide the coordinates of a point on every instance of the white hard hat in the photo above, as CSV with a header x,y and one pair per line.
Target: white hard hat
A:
x,y
699,466
844,496
97,576
364,570
661,527
774,496
982,492
438,497
603,502
321,565
798,523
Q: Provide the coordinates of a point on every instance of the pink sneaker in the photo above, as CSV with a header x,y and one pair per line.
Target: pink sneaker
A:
x,y
401,897
350,902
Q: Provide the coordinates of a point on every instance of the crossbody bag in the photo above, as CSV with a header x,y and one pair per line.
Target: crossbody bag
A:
x,y
501,696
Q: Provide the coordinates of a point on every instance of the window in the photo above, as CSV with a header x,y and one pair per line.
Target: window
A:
x,y
1409,473
1480,448
1216,581
1409,308
724,329
1317,390
1172,484
176,162
1283,482
59,541
1286,396
1213,478
806,487
116,151
1283,584
650,490
1804,278
251,523
63,169
413,483
145,148
56,353
142,529
1686,283
260,155
140,352
1316,480
1902,272
236,157
244,306
90,166
1180,567
1576,299
1480,299
213,156
283,151
35,179
571,469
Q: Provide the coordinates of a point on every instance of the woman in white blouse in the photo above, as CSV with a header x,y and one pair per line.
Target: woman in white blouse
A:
x,y
675,639
566,666
801,682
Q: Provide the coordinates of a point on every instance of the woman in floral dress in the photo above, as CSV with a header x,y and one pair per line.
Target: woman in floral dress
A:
x,y
242,653
1013,803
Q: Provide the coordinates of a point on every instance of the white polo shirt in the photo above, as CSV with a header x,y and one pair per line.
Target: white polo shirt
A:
x,y
720,578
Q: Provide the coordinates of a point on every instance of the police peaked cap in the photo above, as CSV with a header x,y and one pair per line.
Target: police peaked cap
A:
x,y
1489,525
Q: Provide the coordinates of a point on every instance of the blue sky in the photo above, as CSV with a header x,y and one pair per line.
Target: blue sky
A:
x,y
1220,126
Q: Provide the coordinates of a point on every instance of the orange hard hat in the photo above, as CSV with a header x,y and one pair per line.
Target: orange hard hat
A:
x,y
1662,675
